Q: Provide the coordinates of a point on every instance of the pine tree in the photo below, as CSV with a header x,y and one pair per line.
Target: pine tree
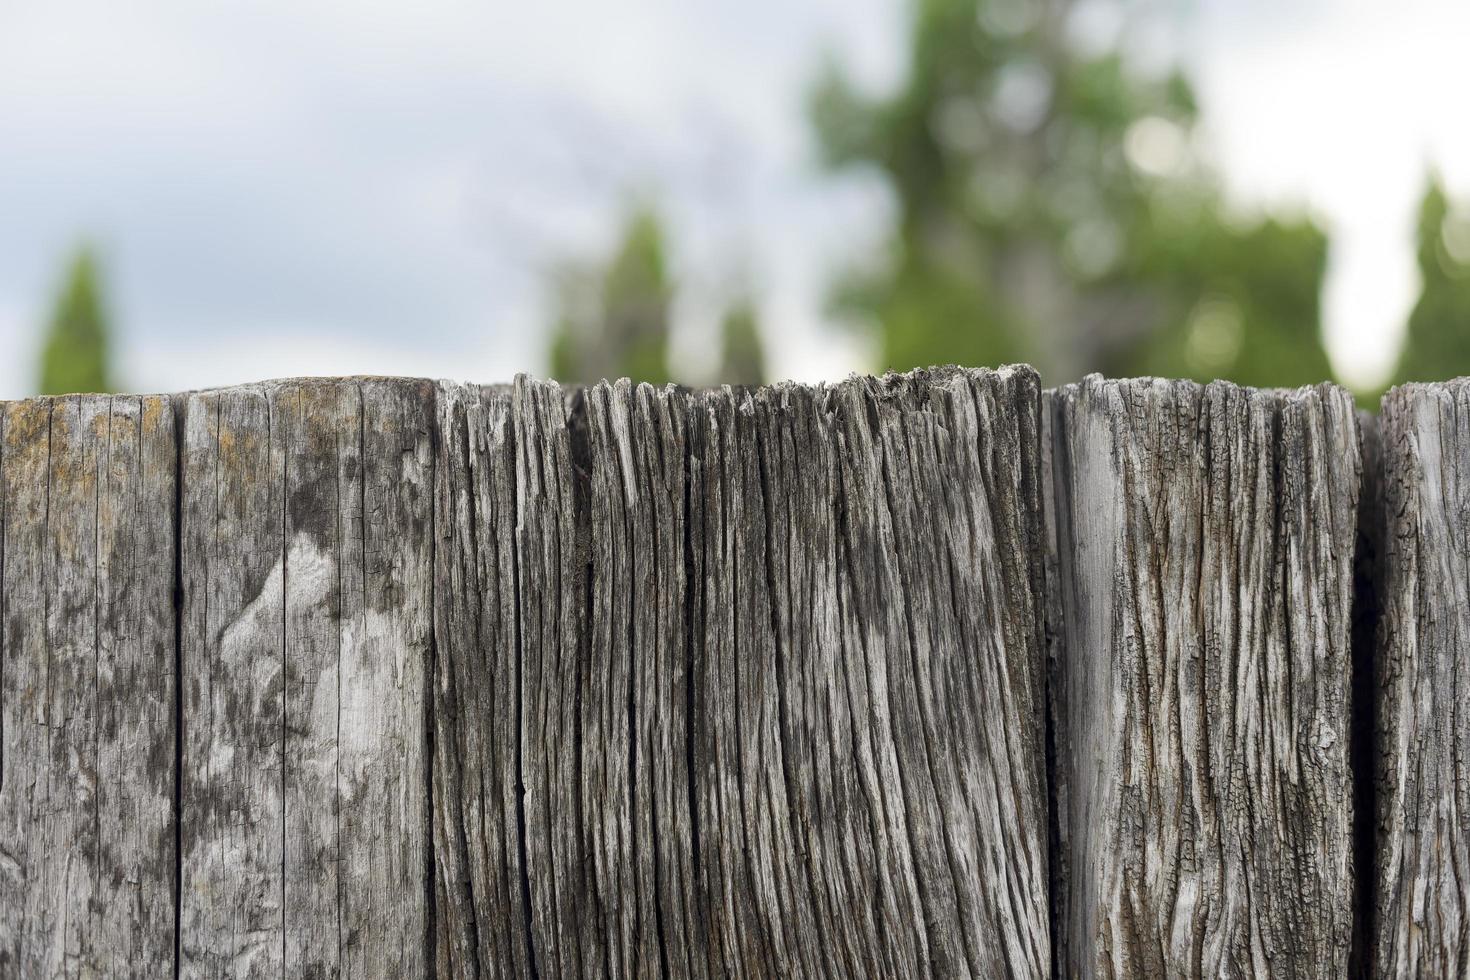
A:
x,y
742,357
1437,342
614,322
75,355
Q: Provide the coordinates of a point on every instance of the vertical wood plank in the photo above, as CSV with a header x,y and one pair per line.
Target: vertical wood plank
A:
x,y
824,769
635,719
869,762
1421,905
136,682
482,909
33,939
1206,541
382,725
550,581
317,427
86,704
232,830
943,604
659,594
308,594
760,901
511,875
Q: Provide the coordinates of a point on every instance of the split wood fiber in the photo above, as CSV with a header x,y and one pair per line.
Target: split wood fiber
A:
x,y
741,682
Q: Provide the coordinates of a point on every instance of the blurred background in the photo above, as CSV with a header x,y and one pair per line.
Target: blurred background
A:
x,y
1272,191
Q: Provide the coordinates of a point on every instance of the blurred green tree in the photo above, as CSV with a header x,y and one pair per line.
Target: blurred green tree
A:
x,y
614,322
742,357
75,355
1437,343
1052,207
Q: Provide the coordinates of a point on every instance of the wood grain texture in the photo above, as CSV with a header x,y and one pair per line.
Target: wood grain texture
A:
x,y
939,585
741,682
635,731
307,602
864,662
87,702
1205,543
932,674
511,872
482,923
550,582
1421,908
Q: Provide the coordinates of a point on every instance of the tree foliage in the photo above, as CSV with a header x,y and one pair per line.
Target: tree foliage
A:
x,y
613,320
74,357
742,357
1052,207
1437,343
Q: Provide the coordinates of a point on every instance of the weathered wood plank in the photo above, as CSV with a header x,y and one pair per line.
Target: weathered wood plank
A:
x,y
87,702
316,428
550,583
232,831
137,683
87,697
635,715
1421,891
941,599
868,706
307,604
1205,544
482,920
744,751
759,900
511,868
382,725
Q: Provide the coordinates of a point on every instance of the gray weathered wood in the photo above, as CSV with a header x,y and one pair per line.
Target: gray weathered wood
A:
x,y
307,600
866,662
232,903
768,666
550,582
512,873
635,785
87,701
532,681
482,914
1421,890
1205,542
939,584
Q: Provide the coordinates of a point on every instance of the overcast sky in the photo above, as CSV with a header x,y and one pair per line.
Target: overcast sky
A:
x,y
328,188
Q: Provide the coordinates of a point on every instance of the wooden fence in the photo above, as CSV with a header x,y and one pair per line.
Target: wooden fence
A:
x,y
929,675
